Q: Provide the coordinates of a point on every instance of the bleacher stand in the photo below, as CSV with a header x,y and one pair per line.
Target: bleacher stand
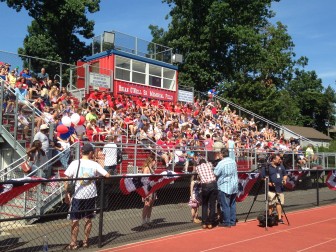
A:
x,y
152,122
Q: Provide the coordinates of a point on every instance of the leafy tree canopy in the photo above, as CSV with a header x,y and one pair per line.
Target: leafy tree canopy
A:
x,y
57,27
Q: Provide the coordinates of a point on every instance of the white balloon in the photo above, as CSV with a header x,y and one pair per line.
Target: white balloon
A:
x,y
66,120
75,118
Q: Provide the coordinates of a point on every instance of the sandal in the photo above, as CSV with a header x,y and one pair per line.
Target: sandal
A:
x,y
72,247
86,244
145,225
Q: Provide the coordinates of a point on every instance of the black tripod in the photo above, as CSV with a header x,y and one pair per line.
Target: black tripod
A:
x,y
266,186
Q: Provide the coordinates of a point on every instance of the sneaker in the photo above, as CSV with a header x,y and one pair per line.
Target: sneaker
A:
x,y
281,221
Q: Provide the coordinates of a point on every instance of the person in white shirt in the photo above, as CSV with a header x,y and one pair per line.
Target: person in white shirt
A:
x,y
42,135
84,197
110,151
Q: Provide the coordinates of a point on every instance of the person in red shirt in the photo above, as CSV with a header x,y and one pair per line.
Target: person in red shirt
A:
x,y
214,111
208,142
163,150
22,81
94,96
94,133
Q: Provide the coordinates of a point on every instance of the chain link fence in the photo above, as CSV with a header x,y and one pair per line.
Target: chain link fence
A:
x,y
118,217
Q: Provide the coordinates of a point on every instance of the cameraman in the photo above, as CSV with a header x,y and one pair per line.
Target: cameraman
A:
x,y
277,178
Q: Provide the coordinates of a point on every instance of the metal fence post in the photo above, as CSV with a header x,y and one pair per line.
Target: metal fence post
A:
x,y
317,189
135,154
16,121
101,213
32,130
2,83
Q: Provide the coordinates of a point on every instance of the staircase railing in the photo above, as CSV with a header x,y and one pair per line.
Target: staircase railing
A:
x,y
14,170
11,136
42,203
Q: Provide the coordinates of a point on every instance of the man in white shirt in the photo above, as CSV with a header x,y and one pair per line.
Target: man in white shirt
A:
x,y
84,197
42,135
110,151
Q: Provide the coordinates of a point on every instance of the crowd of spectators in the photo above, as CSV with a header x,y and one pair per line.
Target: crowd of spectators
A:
x,y
176,130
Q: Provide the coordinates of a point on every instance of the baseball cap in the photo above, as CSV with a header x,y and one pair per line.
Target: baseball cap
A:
x,y
44,126
218,146
87,148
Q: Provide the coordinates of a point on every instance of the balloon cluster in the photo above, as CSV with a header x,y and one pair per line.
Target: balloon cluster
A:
x,y
66,128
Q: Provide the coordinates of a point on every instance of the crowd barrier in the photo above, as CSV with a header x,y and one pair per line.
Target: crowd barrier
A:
x,y
118,214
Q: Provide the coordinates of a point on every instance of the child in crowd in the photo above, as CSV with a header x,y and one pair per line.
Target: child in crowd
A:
x,y
195,198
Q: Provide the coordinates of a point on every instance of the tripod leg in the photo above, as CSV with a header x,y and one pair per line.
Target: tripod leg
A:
x,y
254,200
282,208
266,201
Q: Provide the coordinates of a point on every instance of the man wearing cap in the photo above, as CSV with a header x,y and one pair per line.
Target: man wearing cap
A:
x,y
215,156
84,197
227,182
42,135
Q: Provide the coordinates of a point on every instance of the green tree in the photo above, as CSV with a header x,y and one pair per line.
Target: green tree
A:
x,y
315,102
230,41
57,28
234,43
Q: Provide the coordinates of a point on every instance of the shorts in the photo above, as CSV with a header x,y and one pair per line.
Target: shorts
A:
x,y
272,199
82,204
111,169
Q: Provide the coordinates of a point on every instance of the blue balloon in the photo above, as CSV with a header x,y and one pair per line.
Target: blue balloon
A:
x,y
65,136
71,130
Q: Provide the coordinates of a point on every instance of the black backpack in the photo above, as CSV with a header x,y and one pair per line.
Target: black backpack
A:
x,y
272,220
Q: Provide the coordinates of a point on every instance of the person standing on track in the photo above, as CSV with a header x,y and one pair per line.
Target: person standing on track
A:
x,y
85,194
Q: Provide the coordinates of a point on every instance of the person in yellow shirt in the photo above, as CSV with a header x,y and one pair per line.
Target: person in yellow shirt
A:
x,y
12,79
309,154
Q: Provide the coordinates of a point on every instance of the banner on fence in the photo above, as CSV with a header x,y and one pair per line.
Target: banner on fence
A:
x,y
15,187
245,184
144,186
331,180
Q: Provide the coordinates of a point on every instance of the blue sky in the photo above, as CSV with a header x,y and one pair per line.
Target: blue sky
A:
x,y
309,22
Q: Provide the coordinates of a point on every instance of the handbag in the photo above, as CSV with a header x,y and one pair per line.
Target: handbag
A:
x,y
72,184
193,203
25,167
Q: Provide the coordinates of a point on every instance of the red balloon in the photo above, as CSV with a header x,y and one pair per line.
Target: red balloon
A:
x,y
81,120
62,129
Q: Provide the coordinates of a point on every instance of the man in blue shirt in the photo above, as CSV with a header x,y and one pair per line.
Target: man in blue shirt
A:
x,y
227,182
277,178
26,74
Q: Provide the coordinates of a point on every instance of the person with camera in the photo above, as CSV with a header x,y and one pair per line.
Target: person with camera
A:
x,y
85,193
277,175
